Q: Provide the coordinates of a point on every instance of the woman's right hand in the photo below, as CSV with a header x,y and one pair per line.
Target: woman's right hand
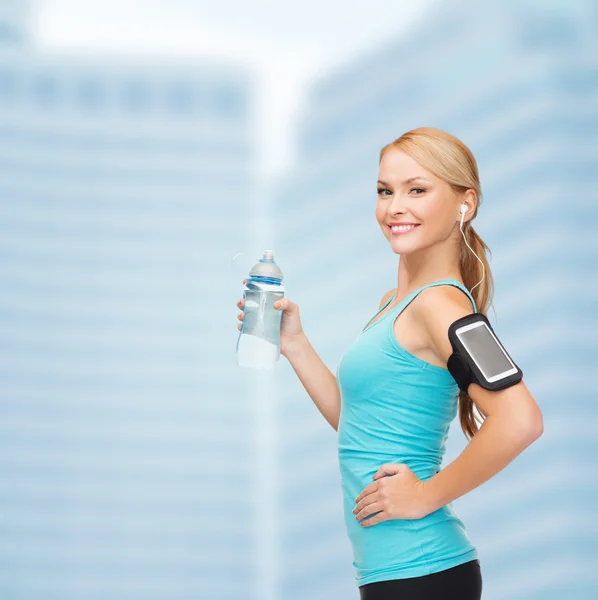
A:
x,y
291,330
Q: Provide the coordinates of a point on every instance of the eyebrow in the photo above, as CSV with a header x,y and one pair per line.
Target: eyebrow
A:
x,y
410,180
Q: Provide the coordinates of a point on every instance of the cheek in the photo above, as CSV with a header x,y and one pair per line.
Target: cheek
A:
x,y
427,214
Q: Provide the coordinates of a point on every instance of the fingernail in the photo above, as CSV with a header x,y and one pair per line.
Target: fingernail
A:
x,y
277,304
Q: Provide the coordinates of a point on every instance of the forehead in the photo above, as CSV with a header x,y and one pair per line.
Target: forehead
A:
x,y
397,166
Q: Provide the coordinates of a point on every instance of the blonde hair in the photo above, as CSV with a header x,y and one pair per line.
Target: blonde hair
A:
x,y
450,159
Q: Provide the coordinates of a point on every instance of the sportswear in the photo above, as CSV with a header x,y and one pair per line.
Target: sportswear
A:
x,y
396,408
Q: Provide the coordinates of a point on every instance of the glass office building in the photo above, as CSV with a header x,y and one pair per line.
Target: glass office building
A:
x,y
125,185
517,82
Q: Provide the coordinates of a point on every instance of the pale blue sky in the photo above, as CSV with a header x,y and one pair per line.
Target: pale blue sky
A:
x,y
285,42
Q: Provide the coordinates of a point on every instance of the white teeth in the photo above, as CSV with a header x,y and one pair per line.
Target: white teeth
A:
x,y
402,228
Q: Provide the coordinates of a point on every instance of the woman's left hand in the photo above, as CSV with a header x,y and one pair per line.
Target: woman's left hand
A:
x,y
400,496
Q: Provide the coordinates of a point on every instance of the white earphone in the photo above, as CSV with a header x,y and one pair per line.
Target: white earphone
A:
x,y
463,210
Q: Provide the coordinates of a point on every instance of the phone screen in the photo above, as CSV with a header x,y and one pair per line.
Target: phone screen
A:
x,y
485,350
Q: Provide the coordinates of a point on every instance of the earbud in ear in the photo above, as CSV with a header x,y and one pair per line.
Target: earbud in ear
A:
x,y
463,208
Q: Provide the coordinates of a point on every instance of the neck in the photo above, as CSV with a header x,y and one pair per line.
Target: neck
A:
x,y
440,261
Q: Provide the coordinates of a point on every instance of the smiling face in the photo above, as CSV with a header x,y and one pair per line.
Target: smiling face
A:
x,y
407,193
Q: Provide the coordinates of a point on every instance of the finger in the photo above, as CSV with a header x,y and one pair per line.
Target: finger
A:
x,y
368,489
239,326
366,501
241,303
389,469
368,510
241,316
289,306
381,516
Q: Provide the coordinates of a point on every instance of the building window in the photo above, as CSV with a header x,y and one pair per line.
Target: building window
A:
x,y
8,86
227,102
136,96
45,90
181,98
10,35
89,94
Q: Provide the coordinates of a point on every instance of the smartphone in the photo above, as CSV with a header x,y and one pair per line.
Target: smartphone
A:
x,y
486,351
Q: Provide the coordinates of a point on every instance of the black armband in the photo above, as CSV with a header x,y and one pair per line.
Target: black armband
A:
x,y
478,356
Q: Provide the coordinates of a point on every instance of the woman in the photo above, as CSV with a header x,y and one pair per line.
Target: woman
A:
x,y
393,399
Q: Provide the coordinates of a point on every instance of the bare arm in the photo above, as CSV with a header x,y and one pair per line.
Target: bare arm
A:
x,y
513,423
317,379
513,419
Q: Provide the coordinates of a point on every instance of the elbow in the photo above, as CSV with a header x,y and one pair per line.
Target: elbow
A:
x,y
525,426
530,415
539,427
535,420
534,428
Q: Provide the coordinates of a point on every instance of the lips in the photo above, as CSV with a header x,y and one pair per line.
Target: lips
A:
x,y
395,230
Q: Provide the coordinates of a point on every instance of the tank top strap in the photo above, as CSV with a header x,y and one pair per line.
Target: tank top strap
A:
x,y
448,281
379,311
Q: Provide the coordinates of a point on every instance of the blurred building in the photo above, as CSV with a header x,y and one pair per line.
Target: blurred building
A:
x,y
517,82
127,445
13,23
133,453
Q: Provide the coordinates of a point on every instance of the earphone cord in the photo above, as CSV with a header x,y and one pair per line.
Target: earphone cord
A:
x,y
483,269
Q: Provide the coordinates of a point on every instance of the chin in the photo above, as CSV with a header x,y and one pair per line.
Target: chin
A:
x,y
401,252
398,247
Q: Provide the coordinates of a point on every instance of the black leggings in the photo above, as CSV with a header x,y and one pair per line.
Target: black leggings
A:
x,y
463,582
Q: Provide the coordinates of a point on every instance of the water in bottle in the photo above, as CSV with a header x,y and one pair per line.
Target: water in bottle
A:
x,y
258,345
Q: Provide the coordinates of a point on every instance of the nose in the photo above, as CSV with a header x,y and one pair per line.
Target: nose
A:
x,y
397,205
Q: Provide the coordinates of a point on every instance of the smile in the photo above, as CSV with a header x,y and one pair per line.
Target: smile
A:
x,y
402,229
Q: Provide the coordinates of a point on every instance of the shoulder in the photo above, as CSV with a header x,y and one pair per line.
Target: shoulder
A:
x,y
386,297
437,307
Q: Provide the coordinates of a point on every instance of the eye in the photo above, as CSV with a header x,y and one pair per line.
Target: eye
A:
x,y
380,190
422,190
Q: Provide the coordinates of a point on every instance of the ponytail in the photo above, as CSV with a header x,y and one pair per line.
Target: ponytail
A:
x,y
472,272
447,157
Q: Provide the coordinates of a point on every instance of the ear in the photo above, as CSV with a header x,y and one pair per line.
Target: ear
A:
x,y
469,197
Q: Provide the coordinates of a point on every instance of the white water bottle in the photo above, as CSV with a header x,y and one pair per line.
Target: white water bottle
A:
x,y
258,345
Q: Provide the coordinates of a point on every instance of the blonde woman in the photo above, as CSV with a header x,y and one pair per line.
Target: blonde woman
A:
x,y
393,398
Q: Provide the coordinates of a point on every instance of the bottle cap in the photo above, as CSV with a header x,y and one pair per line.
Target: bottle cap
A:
x,y
266,267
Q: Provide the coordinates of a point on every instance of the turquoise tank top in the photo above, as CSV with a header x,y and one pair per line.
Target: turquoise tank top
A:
x,y
396,408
